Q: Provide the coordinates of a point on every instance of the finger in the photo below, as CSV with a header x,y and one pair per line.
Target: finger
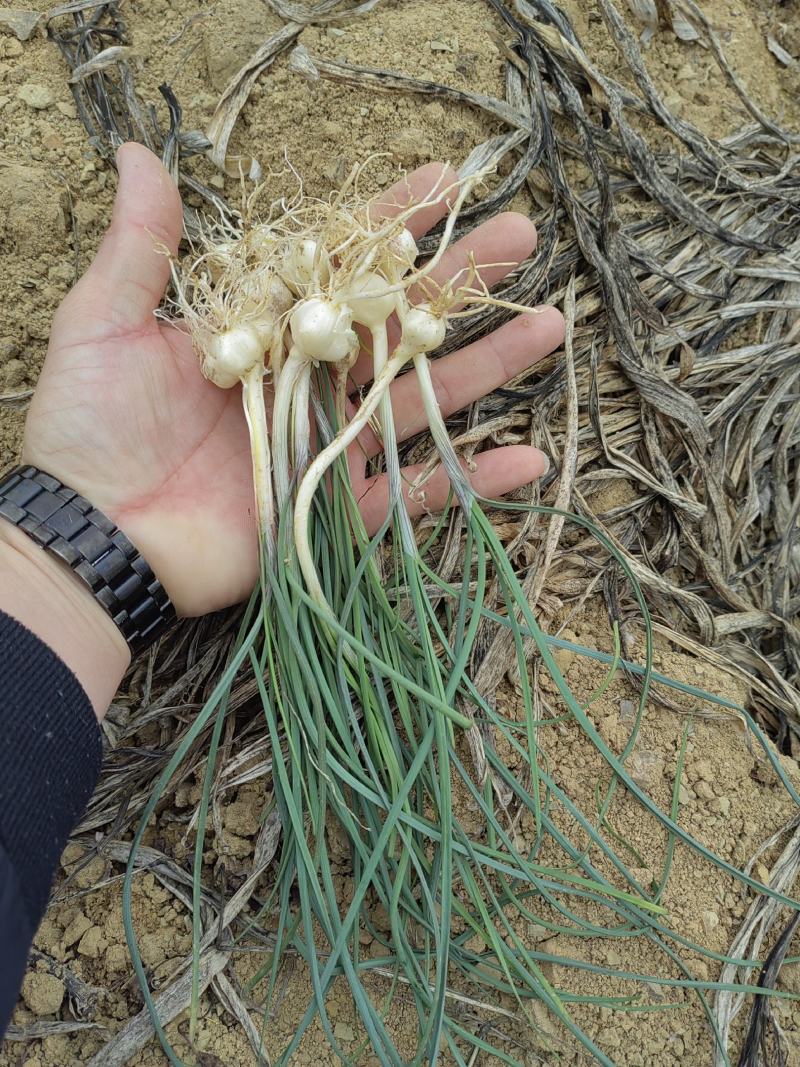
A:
x,y
501,244
127,278
497,247
475,371
496,473
420,185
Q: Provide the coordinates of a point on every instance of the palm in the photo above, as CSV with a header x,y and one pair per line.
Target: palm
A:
x,y
137,407
123,415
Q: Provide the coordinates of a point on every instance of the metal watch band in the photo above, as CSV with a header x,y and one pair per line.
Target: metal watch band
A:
x,y
65,524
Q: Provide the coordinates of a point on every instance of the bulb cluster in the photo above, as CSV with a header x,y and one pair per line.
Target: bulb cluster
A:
x,y
312,287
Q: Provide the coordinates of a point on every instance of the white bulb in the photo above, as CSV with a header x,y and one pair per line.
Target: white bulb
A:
x,y
231,355
422,330
278,297
371,310
298,266
323,330
221,258
402,254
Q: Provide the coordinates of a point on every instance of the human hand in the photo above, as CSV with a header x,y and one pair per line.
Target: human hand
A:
x,y
122,414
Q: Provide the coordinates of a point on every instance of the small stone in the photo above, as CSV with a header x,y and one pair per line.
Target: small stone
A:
x,y
564,659
699,969
67,109
761,873
10,48
538,933
76,929
443,44
42,993
643,875
13,373
217,181
38,97
627,710
710,921
232,845
704,771
21,23
95,870
687,73
152,949
647,769
704,791
92,944
722,806
243,817
684,796
674,103
336,31
344,1032
116,958
363,111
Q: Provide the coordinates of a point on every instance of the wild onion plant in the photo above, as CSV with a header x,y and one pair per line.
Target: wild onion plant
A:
x,y
364,657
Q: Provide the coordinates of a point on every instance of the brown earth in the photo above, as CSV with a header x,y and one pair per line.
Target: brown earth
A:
x,y
55,202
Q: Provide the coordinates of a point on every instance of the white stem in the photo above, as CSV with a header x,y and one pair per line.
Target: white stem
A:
x,y
325,460
256,414
281,413
380,356
441,438
301,446
342,374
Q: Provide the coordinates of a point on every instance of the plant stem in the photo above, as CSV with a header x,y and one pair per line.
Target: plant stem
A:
x,y
301,446
256,415
441,438
325,460
281,412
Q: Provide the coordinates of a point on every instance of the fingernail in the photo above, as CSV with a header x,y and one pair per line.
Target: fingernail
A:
x,y
546,464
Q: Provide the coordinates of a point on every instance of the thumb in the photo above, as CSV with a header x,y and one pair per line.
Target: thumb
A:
x,y
129,274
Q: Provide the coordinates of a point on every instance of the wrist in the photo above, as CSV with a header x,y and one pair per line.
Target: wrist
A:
x,y
46,597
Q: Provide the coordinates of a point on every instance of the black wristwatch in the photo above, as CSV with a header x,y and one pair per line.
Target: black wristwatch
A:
x,y
63,523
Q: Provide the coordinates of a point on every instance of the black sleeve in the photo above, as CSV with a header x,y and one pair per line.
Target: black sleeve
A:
x,y
50,753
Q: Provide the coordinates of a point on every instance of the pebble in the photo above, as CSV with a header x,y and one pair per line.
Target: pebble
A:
x,y
704,791
538,933
627,710
710,921
21,23
76,929
116,958
42,993
722,806
92,944
344,1032
11,48
647,769
704,771
14,374
38,97
67,109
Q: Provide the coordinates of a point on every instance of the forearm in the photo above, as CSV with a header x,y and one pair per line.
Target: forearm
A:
x,y
44,596
49,762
